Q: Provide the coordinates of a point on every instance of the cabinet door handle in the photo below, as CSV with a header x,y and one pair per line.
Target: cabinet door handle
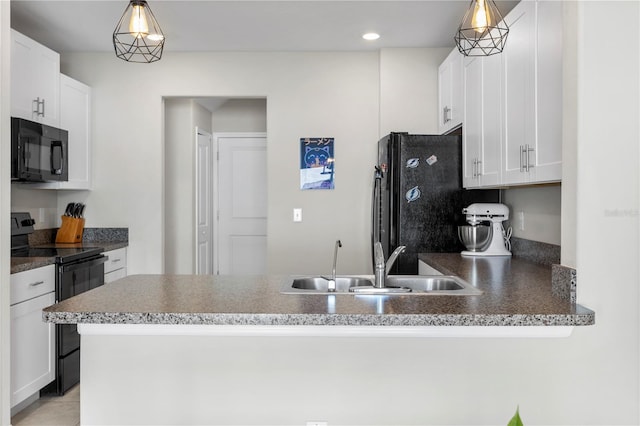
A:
x,y
36,104
447,110
527,150
476,168
525,165
115,260
37,283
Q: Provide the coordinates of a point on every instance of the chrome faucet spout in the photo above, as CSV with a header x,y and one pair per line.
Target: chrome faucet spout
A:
x,y
335,258
382,268
331,285
393,257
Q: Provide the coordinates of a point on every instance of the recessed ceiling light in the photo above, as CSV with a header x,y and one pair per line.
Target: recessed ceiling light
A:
x,y
371,36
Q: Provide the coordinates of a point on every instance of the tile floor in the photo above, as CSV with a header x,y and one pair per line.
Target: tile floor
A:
x,y
52,410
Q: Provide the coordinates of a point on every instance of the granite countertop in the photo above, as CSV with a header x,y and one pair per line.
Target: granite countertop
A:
x,y
515,293
21,264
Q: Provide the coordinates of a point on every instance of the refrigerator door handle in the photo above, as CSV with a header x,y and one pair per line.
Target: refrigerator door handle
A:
x,y
375,209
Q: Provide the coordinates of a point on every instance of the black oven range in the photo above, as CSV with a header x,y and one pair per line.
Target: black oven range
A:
x,y
78,269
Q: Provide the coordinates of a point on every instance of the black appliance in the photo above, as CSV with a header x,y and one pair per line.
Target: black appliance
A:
x,y
418,196
78,269
38,152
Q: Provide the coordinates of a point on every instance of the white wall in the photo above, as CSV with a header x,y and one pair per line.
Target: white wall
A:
x,y
542,213
42,204
409,90
182,116
241,115
569,135
309,94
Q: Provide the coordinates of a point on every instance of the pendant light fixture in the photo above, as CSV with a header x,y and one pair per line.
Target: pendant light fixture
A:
x,y
482,31
138,37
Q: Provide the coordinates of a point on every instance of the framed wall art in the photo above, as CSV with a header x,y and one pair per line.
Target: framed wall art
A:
x,y
317,163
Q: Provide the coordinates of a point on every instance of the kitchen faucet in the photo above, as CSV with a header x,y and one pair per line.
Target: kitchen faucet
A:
x,y
331,285
382,268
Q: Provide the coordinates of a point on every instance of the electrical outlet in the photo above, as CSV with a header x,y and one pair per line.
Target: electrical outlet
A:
x,y
297,215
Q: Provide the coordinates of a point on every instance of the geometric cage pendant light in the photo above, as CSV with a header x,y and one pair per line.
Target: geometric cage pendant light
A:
x,y
138,37
482,31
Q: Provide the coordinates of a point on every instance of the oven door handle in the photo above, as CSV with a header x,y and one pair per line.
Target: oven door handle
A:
x,y
84,264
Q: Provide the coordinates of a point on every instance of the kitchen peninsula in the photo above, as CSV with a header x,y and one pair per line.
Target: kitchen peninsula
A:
x,y
176,349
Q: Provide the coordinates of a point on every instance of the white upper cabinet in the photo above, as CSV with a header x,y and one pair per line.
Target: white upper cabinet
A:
x,y
519,92
75,112
532,84
482,130
512,132
450,92
40,93
35,87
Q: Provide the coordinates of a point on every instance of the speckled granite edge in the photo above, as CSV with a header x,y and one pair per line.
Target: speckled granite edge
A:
x,y
575,319
564,282
535,251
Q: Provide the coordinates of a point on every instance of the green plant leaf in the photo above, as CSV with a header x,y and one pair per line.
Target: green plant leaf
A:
x,y
515,420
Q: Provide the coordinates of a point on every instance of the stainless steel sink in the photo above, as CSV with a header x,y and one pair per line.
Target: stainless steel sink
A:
x,y
321,285
416,285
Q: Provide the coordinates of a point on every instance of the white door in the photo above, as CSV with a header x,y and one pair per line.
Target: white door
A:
x,y
204,253
242,204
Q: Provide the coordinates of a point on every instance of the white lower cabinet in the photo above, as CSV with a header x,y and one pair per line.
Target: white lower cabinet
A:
x,y
32,340
116,267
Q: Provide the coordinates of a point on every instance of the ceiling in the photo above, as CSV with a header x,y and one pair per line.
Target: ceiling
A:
x,y
239,25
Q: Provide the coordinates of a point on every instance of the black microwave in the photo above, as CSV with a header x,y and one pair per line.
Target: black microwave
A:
x,y
38,152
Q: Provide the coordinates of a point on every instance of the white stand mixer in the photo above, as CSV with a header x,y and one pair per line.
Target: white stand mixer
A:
x,y
496,214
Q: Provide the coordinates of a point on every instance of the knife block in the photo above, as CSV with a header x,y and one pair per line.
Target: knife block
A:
x,y
71,230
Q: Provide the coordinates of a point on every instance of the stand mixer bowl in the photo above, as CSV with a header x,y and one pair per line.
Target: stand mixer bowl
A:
x,y
475,237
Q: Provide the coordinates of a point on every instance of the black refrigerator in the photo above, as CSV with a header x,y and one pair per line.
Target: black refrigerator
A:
x,y
418,196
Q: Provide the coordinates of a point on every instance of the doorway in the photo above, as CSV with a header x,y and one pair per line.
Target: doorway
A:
x,y
191,229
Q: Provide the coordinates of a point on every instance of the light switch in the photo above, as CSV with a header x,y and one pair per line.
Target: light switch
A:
x,y
297,215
